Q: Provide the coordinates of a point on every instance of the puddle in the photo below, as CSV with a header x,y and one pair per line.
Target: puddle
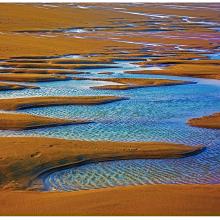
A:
x,y
213,56
76,30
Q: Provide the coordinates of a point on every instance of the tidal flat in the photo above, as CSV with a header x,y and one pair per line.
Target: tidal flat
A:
x,y
104,106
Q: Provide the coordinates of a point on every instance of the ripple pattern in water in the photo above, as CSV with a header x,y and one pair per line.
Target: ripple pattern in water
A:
x,y
200,169
151,114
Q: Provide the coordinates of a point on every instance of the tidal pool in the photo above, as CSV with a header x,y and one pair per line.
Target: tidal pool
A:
x,y
150,114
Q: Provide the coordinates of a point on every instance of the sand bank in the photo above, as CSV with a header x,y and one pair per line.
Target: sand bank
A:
x,y
10,121
132,83
208,71
40,71
24,158
28,45
7,86
179,61
56,66
131,200
41,101
19,77
23,33
17,17
59,60
210,121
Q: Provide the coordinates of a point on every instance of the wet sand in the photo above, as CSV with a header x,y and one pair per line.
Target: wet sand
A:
x,y
31,77
7,86
10,121
56,66
40,71
207,71
132,83
20,45
210,121
33,156
175,60
28,36
41,101
132,200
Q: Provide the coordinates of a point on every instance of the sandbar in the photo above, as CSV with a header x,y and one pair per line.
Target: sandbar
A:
x,y
12,121
56,66
23,159
209,71
210,121
132,83
41,101
19,77
6,86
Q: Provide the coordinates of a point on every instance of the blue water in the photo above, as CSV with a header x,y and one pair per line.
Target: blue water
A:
x,y
214,56
150,114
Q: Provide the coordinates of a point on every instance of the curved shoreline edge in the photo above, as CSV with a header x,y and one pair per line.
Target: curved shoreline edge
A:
x,y
21,121
23,159
9,104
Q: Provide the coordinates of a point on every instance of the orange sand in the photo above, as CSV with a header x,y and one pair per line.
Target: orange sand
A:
x,y
21,44
19,77
54,66
10,121
24,158
194,70
7,86
210,121
40,71
132,200
31,102
132,83
179,61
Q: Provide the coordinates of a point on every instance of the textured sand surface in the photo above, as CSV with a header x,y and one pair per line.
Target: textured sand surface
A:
x,y
132,200
25,158
31,102
10,121
132,83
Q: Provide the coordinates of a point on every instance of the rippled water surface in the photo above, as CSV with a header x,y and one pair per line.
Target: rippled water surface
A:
x,y
150,114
